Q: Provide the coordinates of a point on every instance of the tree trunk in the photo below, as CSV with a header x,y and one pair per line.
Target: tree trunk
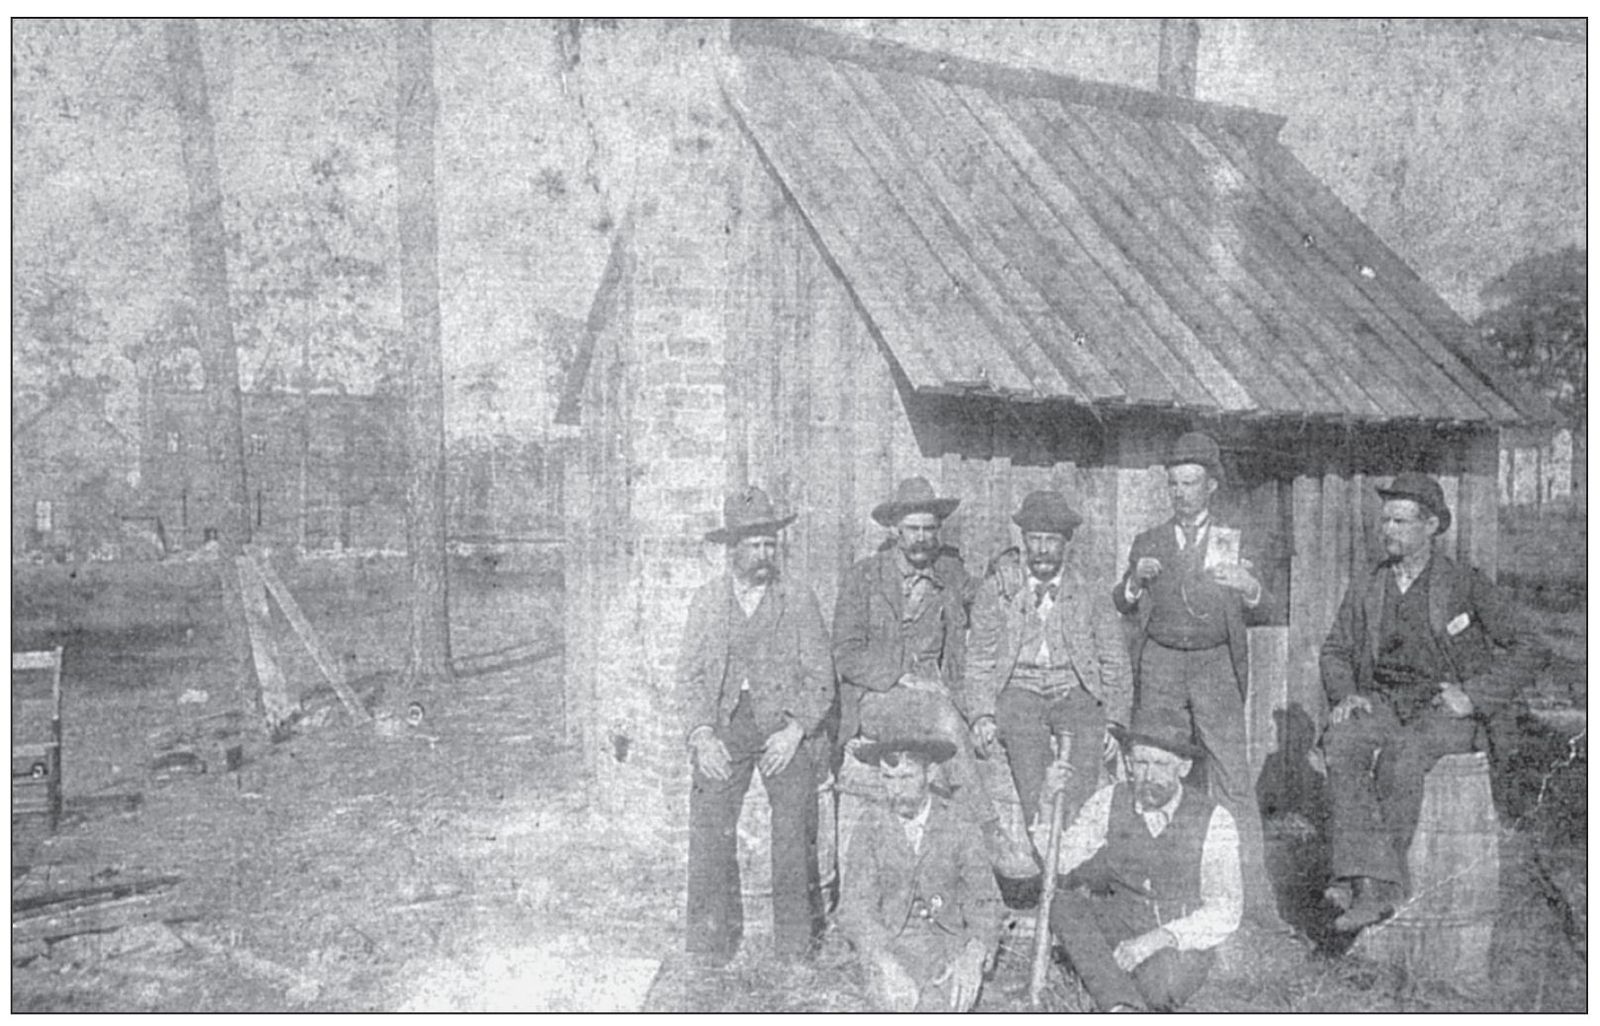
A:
x,y
429,660
228,505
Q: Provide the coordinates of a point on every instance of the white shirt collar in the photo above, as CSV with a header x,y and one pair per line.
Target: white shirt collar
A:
x,y
1157,819
915,826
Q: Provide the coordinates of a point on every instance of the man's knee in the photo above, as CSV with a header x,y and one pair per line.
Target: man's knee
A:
x,y
1170,977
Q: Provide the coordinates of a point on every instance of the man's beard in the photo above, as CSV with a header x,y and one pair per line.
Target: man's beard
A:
x,y
1043,568
1154,796
921,554
907,808
761,573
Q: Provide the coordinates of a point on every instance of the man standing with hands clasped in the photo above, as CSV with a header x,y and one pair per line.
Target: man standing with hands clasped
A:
x,y
756,677
1189,582
1408,665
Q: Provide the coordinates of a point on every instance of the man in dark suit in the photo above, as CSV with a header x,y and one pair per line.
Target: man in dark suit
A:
x,y
1409,667
756,678
1189,581
918,898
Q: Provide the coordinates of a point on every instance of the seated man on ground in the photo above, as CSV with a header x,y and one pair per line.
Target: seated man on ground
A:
x,y
918,898
1151,882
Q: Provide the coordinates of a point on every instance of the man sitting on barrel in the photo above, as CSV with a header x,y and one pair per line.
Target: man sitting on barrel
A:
x,y
1409,664
1150,875
918,897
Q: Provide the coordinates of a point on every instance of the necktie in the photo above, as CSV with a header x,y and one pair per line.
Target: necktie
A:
x,y
1043,590
1190,533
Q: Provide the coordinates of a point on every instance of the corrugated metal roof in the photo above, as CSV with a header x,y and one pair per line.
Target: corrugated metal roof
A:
x,y
1038,237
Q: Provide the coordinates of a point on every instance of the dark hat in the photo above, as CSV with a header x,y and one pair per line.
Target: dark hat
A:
x,y
1047,512
928,749
748,512
1422,490
1167,730
913,495
1197,447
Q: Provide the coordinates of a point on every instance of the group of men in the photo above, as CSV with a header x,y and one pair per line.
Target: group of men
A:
x,y
935,669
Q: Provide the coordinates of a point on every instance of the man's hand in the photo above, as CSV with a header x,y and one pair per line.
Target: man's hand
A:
x,y
1146,570
780,748
1056,776
1455,701
917,682
711,756
1235,576
1348,707
984,735
1132,952
965,976
898,985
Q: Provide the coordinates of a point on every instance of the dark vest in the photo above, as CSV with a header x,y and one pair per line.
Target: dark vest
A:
x,y
1409,666
1188,609
1165,870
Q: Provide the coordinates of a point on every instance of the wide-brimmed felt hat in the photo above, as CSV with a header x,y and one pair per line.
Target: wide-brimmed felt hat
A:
x,y
1199,448
913,495
1048,513
1422,490
748,512
929,749
1169,732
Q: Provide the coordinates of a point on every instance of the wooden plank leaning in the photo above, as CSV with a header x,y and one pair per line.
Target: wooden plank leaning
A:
x,y
1047,894
309,637
275,700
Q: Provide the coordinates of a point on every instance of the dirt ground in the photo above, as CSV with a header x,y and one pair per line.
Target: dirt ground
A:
x,y
457,865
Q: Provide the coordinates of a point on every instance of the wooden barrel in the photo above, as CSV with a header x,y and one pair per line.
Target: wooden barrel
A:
x,y
755,852
1444,929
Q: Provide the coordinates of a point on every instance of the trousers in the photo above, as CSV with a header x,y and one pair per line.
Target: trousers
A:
x,y
1376,767
1027,721
1089,928
715,905
1204,685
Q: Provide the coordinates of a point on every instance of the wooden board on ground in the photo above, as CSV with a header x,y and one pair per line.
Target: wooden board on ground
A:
x,y
275,698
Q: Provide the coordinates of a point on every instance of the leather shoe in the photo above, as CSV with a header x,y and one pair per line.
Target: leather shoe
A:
x,y
1375,902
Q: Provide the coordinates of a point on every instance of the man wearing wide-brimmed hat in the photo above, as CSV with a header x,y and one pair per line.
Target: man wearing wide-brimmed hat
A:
x,y
1410,669
1151,879
899,630
756,681
1190,582
1045,656
917,895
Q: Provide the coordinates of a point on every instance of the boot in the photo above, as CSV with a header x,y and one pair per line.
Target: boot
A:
x,y
1375,901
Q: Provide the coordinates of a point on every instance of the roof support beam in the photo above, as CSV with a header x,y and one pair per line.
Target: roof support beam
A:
x,y
1179,57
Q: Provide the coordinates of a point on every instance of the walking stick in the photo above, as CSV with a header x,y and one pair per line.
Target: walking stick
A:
x,y
1047,893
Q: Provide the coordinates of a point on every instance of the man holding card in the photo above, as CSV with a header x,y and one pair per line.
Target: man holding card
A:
x,y
1408,668
1189,583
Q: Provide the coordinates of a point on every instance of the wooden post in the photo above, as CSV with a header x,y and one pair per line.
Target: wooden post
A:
x,y
1179,57
309,637
1477,501
429,651
276,705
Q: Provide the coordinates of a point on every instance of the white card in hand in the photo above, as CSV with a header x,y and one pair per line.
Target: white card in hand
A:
x,y
1222,547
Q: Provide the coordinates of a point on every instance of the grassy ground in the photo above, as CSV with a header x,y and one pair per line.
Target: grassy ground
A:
x,y
458,866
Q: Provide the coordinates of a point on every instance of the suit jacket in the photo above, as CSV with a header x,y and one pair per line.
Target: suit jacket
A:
x,y
1469,618
868,652
1081,626
884,885
795,672
1161,542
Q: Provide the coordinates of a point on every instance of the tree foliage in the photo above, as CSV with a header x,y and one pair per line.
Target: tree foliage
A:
x,y
1538,318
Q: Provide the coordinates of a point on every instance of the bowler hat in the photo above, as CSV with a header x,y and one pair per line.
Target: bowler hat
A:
x,y
928,749
748,512
1422,490
1199,448
1162,729
913,495
1047,513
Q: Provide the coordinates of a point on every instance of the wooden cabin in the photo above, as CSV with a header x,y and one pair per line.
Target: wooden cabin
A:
x,y
855,262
